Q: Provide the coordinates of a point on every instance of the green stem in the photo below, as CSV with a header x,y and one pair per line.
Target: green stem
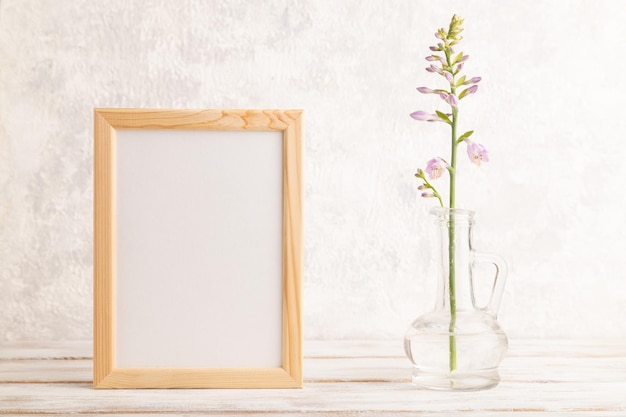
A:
x,y
452,249
434,190
451,239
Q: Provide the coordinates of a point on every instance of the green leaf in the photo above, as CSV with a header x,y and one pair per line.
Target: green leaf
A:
x,y
463,93
457,58
465,136
443,116
461,81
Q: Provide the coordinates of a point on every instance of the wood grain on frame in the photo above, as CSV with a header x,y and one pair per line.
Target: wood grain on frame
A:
x,y
106,375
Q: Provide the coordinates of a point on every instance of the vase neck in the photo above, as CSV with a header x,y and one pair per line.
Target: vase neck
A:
x,y
455,258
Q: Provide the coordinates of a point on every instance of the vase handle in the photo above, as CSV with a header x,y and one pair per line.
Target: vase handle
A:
x,y
498,283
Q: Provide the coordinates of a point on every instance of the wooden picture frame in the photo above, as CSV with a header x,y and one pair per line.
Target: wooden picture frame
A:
x,y
134,171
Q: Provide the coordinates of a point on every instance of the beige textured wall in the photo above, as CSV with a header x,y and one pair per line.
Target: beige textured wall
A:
x,y
549,110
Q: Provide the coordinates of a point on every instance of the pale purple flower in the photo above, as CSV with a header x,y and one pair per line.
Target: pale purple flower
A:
x,y
428,195
450,99
464,58
426,117
473,80
434,168
476,152
448,77
433,58
426,90
433,68
459,67
470,90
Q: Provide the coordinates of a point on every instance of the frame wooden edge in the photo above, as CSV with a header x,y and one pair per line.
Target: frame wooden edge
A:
x,y
208,119
198,378
103,332
292,249
106,121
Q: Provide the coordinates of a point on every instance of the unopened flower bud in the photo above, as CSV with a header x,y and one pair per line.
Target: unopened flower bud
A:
x,y
473,80
425,117
427,195
468,91
426,90
453,101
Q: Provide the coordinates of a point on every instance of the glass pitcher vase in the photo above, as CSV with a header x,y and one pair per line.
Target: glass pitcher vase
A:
x,y
458,345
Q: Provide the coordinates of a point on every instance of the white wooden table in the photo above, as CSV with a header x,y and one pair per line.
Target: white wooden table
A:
x,y
342,378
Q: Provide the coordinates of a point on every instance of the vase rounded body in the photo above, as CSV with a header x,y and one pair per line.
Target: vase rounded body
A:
x,y
458,345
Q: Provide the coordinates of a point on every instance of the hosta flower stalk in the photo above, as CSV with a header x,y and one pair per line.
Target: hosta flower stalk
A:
x,y
447,63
